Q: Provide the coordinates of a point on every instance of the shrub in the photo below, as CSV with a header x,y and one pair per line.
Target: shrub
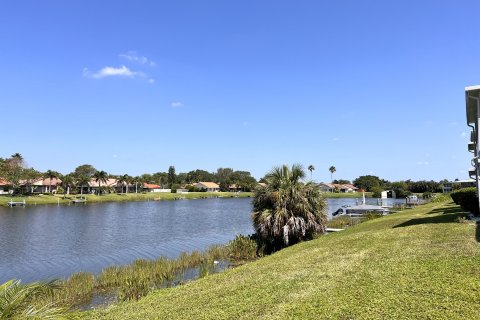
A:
x,y
340,222
427,195
467,199
402,193
371,215
242,248
377,192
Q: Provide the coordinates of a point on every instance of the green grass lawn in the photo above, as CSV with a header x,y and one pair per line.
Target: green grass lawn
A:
x,y
417,264
54,199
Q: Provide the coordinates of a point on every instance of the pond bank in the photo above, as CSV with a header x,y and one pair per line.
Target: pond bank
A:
x,y
151,196
419,263
119,197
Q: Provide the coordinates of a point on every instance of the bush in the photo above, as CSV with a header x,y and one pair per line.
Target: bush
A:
x,y
377,192
427,195
242,248
402,193
174,188
467,199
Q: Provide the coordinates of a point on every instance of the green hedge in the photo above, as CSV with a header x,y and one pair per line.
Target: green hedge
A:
x,y
467,199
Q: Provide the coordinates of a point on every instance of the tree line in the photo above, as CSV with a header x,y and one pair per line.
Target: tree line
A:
x,y
15,171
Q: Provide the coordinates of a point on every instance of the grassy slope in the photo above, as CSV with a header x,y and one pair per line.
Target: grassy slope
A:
x,y
54,199
419,264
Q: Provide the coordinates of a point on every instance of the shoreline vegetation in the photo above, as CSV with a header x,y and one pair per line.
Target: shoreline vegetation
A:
x,y
418,263
33,200
117,283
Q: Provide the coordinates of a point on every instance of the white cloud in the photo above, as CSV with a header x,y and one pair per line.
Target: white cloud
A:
x,y
336,139
176,104
463,134
152,81
114,156
423,163
133,56
122,71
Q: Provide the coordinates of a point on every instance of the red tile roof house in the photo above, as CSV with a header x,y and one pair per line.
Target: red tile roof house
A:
x,y
150,187
207,186
5,187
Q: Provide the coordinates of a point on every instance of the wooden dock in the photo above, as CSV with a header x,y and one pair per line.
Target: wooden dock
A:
x,y
12,203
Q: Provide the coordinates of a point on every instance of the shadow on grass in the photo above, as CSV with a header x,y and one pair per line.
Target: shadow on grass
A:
x,y
448,210
448,215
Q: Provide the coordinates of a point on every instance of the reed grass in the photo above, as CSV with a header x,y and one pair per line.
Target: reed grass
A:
x,y
137,279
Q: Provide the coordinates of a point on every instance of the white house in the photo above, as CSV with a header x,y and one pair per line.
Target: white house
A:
x,y
207,186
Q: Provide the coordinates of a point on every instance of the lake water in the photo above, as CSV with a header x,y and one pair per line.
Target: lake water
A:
x,y
44,242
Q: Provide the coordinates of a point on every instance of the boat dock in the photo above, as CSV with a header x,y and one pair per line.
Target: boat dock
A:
x,y
79,200
12,203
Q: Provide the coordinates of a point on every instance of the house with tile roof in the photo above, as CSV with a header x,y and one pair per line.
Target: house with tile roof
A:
x,y
150,187
207,186
5,187
342,188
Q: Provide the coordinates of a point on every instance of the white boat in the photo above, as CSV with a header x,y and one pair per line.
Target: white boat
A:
x,y
361,209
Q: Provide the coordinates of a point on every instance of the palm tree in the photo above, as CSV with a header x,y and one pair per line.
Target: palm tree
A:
x,y
100,176
17,301
137,180
332,169
311,168
81,181
287,210
125,179
50,174
67,182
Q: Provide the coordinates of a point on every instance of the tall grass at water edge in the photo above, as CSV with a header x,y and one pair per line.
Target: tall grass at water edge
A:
x,y
135,280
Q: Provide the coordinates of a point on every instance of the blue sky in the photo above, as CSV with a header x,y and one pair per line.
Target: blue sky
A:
x,y
371,87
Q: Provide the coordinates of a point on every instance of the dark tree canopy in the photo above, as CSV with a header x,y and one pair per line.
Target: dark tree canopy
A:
x,y
368,182
85,170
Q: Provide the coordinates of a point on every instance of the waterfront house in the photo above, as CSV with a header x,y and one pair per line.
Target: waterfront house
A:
x,y
110,184
234,188
41,185
207,186
5,187
335,187
150,187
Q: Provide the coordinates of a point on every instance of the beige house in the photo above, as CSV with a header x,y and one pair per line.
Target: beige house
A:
x,y
207,186
342,188
44,185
